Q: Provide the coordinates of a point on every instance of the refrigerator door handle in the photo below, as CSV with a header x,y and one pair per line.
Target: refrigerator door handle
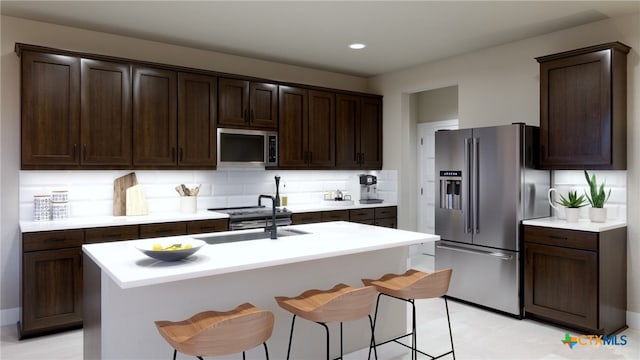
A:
x,y
467,167
476,185
497,254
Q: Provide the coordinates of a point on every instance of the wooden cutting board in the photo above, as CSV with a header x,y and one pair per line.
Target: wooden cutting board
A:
x,y
120,186
136,201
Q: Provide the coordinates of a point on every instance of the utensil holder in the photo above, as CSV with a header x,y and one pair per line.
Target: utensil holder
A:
x,y
188,204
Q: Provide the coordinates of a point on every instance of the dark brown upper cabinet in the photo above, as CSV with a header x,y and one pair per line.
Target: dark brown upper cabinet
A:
x,y
248,104
50,123
306,129
583,108
154,117
105,113
197,96
358,132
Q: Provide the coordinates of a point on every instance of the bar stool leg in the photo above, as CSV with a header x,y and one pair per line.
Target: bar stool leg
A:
x,y
414,336
446,305
266,350
373,340
243,356
373,326
326,329
293,321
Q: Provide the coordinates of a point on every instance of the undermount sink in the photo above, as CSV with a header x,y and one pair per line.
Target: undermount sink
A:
x,y
244,236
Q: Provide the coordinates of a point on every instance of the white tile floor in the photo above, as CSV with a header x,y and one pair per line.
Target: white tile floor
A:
x,y
477,334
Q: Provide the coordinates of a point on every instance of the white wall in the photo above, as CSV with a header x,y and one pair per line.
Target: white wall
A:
x,y
18,30
500,85
437,104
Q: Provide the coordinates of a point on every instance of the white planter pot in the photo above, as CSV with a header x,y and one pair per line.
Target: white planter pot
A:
x,y
572,214
598,215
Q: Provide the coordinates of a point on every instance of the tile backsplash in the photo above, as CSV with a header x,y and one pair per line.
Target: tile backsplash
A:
x,y
566,180
91,192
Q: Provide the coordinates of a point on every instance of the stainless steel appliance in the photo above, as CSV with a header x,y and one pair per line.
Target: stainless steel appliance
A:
x,y
368,189
254,217
487,186
240,147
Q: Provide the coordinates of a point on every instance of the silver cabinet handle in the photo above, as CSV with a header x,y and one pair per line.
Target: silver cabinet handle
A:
x,y
497,254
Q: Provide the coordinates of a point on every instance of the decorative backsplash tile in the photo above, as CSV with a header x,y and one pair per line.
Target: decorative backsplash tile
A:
x,y
91,192
566,180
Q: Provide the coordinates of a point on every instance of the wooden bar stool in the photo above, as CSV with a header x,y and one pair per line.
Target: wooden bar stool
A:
x,y
409,286
213,333
339,304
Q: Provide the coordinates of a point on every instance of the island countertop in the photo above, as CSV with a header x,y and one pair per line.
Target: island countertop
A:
x,y
130,268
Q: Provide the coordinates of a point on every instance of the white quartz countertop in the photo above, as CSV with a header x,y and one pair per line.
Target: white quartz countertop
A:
x,y
103,221
581,225
130,268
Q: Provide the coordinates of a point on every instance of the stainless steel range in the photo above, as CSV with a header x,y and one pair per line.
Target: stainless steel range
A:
x,y
254,217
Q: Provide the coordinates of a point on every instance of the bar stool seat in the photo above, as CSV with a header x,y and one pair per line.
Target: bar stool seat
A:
x,y
411,285
338,304
213,333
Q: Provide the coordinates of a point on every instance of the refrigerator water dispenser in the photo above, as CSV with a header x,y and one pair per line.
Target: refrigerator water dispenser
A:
x,y
450,190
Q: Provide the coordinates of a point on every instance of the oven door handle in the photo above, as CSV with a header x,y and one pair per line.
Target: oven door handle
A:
x,y
497,254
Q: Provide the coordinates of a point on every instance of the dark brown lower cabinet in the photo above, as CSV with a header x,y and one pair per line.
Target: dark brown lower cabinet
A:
x,y
386,216
52,269
51,282
576,278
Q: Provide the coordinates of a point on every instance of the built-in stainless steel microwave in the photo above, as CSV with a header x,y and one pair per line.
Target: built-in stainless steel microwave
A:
x,y
239,147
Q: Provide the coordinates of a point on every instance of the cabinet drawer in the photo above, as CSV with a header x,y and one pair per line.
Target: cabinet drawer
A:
x,y
207,226
387,222
583,240
108,234
50,240
336,215
162,229
386,212
358,215
306,218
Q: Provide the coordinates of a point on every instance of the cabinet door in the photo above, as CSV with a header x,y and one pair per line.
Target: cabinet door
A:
x,y
162,229
293,128
154,117
347,131
335,215
105,113
51,290
263,99
197,96
207,226
371,134
322,129
561,284
112,233
233,102
306,218
387,222
50,110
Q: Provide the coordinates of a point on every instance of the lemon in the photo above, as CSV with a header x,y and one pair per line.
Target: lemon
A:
x,y
156,247
188,246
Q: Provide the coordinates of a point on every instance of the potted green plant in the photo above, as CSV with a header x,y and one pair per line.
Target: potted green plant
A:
x,y
597,197
571,204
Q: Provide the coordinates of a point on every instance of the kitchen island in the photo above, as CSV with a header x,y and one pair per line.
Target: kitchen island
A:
x,y
125,291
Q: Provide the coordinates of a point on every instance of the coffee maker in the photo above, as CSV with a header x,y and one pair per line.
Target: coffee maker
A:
x,y
368,191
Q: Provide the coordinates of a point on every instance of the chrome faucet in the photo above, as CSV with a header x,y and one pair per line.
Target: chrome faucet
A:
x,y
274,228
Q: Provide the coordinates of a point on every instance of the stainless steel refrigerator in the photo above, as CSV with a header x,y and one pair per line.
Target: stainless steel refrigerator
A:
x,y
487,185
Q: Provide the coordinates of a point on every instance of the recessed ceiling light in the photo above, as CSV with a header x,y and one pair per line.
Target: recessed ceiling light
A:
x,y
357,46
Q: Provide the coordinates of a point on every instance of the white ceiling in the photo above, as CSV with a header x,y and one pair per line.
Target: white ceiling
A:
x,y
315,34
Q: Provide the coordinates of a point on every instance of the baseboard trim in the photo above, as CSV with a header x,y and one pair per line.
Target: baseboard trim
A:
x,y
9,316
633,320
